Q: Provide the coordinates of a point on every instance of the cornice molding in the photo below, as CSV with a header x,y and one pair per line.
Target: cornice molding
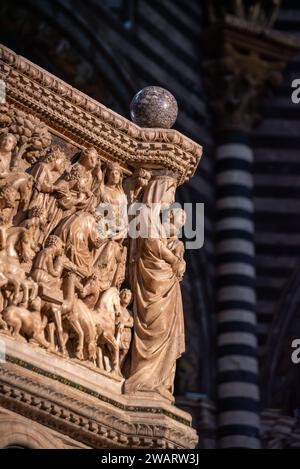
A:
x,y
87,419
87,122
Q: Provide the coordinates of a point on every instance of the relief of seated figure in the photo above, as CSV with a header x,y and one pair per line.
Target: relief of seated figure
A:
x,y
77,189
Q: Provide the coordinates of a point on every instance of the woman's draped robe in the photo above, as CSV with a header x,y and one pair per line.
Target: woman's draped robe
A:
x,y
158,312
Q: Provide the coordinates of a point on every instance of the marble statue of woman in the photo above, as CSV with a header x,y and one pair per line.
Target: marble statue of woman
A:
x,y
114,202
157,306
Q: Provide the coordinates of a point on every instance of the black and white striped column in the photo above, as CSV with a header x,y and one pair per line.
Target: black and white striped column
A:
x,y
238,391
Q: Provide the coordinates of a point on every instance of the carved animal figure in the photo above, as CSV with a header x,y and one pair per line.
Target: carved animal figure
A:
x,y
80,321
105,321
8,281
26,324
11,271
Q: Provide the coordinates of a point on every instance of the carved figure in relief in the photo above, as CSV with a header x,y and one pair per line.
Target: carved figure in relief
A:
x,y
47,271
135,185
22,184
113,201
78,189
9,201
80,237
107,325
46,175
175,220
125,325
63,259
36,222
24,323
80,322
49,264
111,257
12,250
8,143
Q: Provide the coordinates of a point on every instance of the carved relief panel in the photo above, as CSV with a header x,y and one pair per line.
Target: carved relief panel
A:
x,y
73,280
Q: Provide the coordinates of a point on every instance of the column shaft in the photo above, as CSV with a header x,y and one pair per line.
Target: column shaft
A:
x,y
238,392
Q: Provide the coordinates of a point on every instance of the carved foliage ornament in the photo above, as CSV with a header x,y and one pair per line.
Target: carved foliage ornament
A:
x,y
263,13
239,84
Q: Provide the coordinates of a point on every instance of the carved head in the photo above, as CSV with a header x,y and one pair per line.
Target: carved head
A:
x,y
114,174
7,142
57,159
125,297
36,304
174,221
143,177
89,158
56,243
4,220
9,195
38,212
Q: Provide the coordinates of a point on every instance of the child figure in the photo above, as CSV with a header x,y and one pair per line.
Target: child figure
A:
x,y
124,324
175,221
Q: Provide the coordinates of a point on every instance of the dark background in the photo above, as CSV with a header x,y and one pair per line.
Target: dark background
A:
x,y
110,49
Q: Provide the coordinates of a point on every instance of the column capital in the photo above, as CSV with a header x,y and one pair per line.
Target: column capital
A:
x,y
244,63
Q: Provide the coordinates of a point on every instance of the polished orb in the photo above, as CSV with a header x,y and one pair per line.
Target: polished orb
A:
x,y
154,106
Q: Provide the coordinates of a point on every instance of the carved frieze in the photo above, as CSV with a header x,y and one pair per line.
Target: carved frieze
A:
x,y
89,123
74,281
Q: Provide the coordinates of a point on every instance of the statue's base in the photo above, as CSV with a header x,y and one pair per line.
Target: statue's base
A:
x,y
70,404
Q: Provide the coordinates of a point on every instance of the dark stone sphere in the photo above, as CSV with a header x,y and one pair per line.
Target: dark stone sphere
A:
x,y
154,107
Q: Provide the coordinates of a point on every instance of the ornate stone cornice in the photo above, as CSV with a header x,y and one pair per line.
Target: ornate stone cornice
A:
x,y
78,117
244,64
85,418
86,405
